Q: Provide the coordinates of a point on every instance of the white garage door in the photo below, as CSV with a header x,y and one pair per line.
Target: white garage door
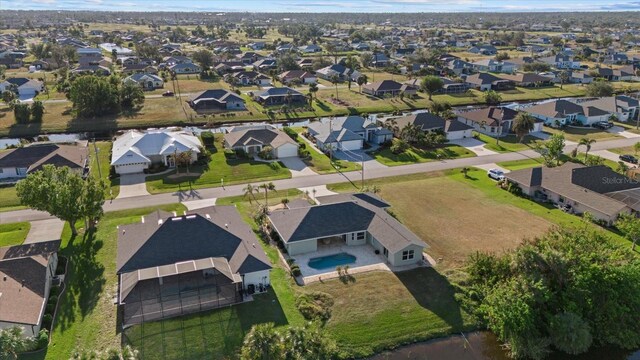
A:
x,y
130,169
351,145
287,150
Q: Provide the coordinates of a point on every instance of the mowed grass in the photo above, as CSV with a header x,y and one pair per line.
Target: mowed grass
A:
x,y
9,200
419,155
508,143
381,310
100,166
575,134
625,150
87,316
320,162
521,164
222,165
14,233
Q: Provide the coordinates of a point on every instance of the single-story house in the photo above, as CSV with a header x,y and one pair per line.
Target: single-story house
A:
x,y
139,68
528,79
347,133
92,69
251,78
388,87
27,271
427,122
249,57
300,76
351,222
486,81
582,188
311,48
342,72
624,107
146,81
251,140
185,68
170,265
626,73
492,65
279,96
24,87
493,120
265,64
135,151
483,49
49,64
379,60
18,163
561,61
565,112
216,99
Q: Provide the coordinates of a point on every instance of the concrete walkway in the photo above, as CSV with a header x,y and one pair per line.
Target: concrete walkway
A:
x,y
44,230
297,167
474,145
321,190
199,204
620,131
132,185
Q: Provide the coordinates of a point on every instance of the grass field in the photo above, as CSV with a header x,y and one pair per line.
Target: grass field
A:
x,y
223,165
420,155
625,150
521,164
508,143
575,134
13,234
9,199
87,315
101,165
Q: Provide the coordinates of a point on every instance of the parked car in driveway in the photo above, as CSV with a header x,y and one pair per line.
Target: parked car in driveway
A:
x,y
496,174
604,125
629,158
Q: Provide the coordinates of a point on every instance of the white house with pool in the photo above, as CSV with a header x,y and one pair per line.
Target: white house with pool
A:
x,y
346,229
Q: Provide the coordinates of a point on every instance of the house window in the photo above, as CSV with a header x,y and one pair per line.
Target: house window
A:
x,y
407,255
21,171
360,236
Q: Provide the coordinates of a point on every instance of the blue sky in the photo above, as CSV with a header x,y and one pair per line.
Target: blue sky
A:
x,y
326,5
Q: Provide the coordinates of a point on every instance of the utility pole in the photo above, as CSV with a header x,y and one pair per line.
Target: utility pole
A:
x,y
362,186
95,149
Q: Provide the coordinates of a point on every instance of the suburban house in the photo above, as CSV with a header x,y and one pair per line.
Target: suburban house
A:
x,y
299,76
528,79
342,72
229,67
624,107
265,64
27,271
18,163
347,221
170,265
623,74
492,65
49,64
483,50
185,68
486,81
135,151
89,56
279,96
216,99
581,189
453,129
459,66
311,48
388,88
249,57
250,78
139,68
251,140
23,87
561,61
95,69
379,60
565,112
146,81
347,133
493,120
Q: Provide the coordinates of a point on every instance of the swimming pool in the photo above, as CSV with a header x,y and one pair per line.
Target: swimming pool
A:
x,y
331,261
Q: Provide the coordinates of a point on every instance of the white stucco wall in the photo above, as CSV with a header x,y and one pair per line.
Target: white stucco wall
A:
x,y
301,247
256,278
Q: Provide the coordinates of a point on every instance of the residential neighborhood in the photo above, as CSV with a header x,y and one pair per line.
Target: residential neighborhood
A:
x,y
371,180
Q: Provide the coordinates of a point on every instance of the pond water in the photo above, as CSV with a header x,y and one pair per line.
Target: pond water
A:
x,y
483,345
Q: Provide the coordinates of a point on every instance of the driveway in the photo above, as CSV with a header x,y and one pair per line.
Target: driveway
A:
x,y
490,166
474,145
132,185
199,204
358,156
297,167
620,131
44,230
320,190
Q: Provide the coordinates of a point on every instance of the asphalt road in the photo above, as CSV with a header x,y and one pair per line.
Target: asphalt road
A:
x,y
307,181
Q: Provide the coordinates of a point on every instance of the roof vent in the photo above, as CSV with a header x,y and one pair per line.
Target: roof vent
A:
x,y
123,231
254,245
4,278
190,217
226,226
207,216
176,219
160,222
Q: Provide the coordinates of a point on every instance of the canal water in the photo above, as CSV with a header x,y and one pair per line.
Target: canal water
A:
x,y
483,345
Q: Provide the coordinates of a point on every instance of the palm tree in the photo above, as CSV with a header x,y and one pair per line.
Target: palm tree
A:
x,y
267,187
335,79
587,142
250,192
362,79
465,171
313,89
522,125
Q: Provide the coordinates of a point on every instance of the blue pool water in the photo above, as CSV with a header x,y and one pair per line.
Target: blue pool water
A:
x,y
331,261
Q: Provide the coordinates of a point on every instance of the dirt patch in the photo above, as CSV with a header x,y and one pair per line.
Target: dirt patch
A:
x,y
456,220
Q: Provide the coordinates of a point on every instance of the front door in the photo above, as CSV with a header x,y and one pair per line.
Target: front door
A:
x,y
385,252
171,161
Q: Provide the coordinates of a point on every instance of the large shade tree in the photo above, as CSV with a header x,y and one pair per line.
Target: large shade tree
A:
x,y
431,84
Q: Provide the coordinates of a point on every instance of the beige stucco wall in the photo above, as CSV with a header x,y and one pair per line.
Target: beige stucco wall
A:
x,y
301,247
396,258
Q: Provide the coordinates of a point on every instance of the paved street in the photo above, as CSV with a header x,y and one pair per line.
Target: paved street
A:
x,y
308,181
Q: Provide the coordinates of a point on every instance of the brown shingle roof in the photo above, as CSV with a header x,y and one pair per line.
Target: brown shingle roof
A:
x,y
490,116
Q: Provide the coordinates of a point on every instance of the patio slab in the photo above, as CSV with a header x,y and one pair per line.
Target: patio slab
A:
x,y
365,256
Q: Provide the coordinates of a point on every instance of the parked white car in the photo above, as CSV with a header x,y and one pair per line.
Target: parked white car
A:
x,y
496,174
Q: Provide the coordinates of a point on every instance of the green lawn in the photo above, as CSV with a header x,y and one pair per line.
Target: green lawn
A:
x,y
575,134
13,234
321,163
87,316
625,150
101,165
507,143
520,164
9,199
419,155
223,165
